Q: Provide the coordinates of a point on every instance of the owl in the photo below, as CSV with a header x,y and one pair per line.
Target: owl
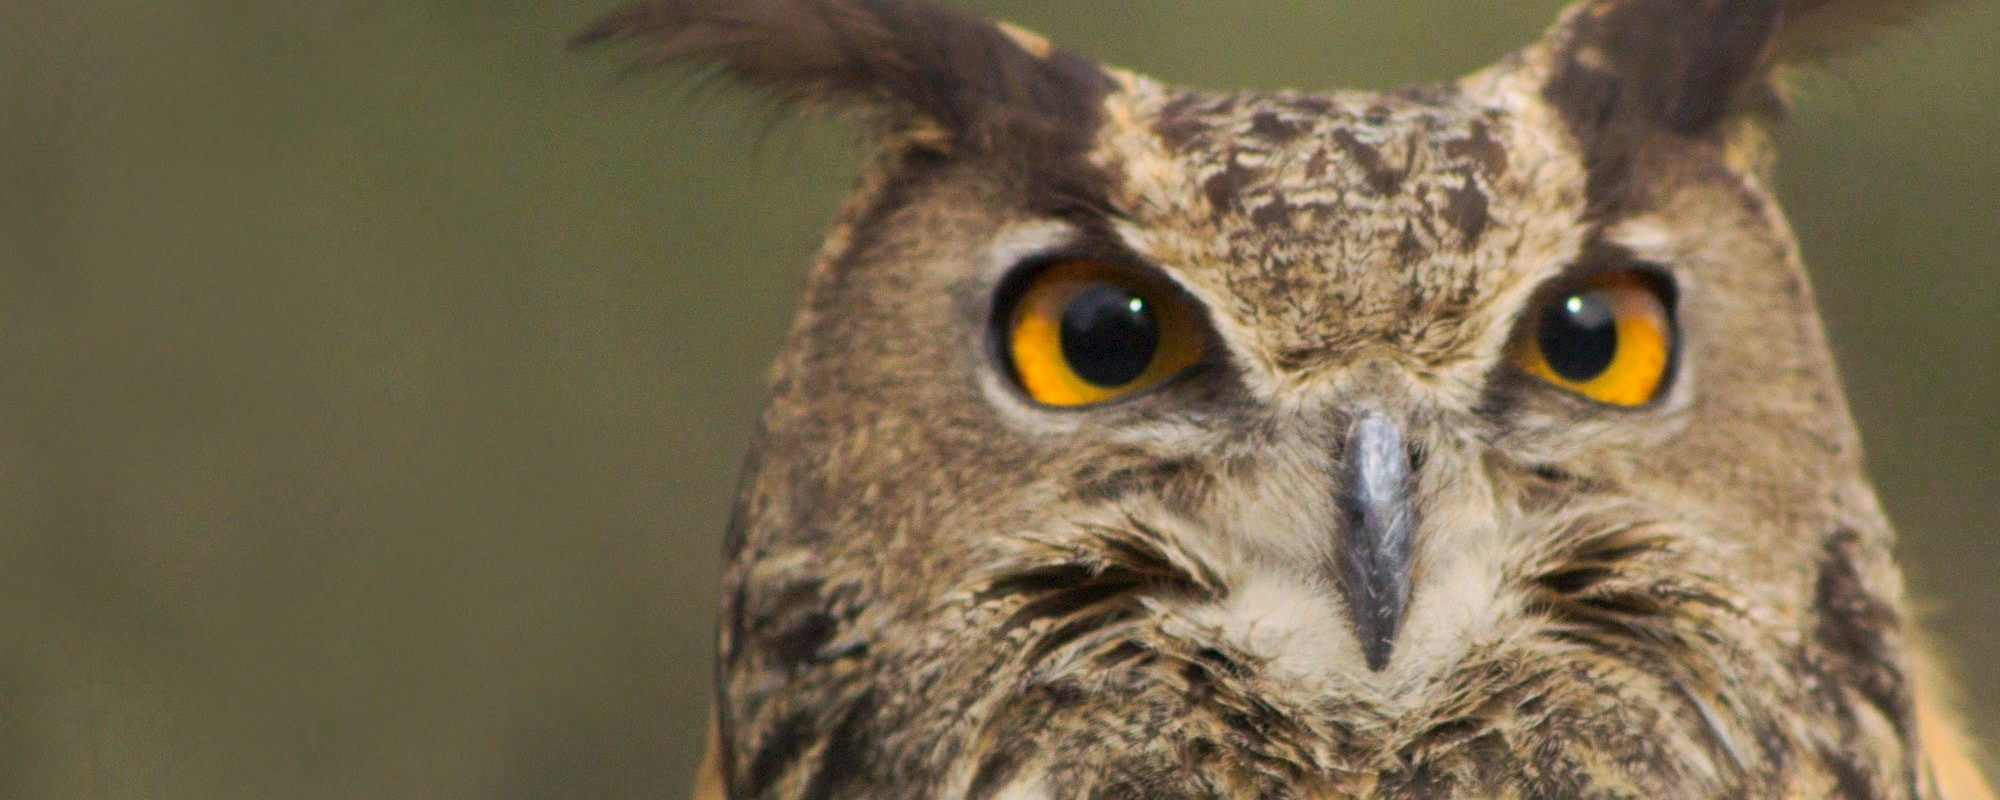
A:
x,y
1471,440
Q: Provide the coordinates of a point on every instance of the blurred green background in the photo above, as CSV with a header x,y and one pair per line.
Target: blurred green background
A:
x,y
374,373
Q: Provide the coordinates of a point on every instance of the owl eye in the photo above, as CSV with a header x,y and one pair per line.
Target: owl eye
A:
x,y
1082,332
1608,337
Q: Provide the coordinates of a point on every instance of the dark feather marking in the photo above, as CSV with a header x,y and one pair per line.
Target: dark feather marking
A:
x,y
790,624
1199,684
1127,788
1422,780
1275,213
1293,359
1072,602
1317,163
1038,580
776,753
1124,653
1482,150
1467,209
844,757
1229,665
1452,731
749,504
735,627
1000,765
1382,179
1857,627
1142,548
1572,580
800,642
1185,120
1224,189
1851,780
1603,595
1857,631
1598,595
1277,130
1426,94
1310,105
1411,250
1096,587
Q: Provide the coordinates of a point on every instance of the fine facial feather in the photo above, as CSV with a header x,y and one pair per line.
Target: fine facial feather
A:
x,y
939,589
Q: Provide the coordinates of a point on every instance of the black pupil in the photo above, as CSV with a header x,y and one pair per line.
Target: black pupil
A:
x,y
1579,336
1109,335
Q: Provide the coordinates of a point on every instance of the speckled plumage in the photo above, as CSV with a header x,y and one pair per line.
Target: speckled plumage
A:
x,y
939,589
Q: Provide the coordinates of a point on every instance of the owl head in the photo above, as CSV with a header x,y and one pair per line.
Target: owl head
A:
x,y
1477,439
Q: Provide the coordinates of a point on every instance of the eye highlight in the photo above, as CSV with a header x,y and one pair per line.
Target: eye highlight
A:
x,y
1083,332
1609,337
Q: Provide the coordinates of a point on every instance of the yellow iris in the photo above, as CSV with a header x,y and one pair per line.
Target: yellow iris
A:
x,y
1085,332
1609,337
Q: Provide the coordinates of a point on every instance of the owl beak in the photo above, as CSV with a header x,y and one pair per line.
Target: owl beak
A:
x,y
1377,525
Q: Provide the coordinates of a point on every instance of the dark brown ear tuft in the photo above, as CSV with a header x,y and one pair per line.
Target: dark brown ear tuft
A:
x,y
1633,76
1686,65
1677,64
795,49
1816,29
922,64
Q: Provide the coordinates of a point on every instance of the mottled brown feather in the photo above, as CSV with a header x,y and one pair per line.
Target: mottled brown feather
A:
x,y
937,589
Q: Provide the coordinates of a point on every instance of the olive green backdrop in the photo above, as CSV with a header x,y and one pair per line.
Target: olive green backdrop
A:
x,y
374,373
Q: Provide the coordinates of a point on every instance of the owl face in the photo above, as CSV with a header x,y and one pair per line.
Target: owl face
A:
x,y
1468,440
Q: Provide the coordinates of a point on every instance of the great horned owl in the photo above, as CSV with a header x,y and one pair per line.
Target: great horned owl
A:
x,y
1468,440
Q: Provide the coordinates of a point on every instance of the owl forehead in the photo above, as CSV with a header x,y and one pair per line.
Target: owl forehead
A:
x,y
1324,228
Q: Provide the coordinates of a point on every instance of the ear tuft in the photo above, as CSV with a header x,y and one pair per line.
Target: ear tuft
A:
x,y
1687,65
797,50
924,66
1817,29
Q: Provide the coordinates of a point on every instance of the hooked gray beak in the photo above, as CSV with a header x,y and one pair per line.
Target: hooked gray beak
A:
x,y
1377,524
